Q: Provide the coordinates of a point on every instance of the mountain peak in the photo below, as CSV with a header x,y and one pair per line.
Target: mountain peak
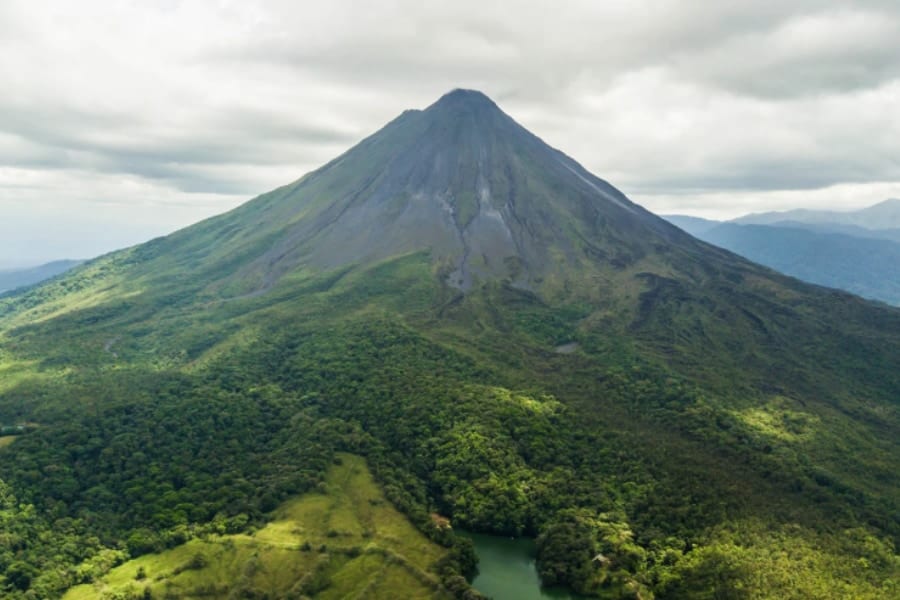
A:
x,y
462,181
464,101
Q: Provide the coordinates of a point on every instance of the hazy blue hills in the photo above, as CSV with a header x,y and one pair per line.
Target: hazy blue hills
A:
x,y
884,215
11,279
851,230
823,251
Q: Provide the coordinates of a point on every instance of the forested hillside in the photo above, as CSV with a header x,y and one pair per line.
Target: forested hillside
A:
x,y
509,342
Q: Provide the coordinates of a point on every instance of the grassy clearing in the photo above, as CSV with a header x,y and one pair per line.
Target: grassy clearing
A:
x,y
13,373
345,541
779,420
6,440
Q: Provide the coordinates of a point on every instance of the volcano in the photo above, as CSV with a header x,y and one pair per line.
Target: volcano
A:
x,y
512,345
461,179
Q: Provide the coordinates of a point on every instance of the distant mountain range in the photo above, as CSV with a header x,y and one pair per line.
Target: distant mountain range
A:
x,y
11,279
884,215
857,251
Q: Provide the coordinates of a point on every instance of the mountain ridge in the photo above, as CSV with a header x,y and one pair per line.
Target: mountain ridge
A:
x,y
11,279
882,215
708,416
402,204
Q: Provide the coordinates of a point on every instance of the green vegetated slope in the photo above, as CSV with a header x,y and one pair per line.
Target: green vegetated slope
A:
x,y
516,347
344,540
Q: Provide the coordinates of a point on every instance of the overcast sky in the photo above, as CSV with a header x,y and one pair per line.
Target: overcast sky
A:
x,y
120,121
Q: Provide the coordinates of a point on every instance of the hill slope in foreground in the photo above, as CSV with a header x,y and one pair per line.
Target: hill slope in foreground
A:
x,y
344,541
507,339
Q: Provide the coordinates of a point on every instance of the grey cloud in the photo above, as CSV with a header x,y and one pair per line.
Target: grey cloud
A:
x,y
828,51
544,48
766,176
67,138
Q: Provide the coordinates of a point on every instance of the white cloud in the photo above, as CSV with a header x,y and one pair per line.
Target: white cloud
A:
x,y
195,105
78,214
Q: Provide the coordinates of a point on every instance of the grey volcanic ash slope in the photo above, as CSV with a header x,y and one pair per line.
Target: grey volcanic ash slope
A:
x,y
461,179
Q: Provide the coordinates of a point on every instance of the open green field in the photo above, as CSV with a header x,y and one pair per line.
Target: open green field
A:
x,y
346,541
6,440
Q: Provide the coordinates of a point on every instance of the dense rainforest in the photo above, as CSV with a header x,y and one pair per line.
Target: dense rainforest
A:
x,y
668,420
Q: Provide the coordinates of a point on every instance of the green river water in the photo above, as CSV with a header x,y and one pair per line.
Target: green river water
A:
x,y
506,570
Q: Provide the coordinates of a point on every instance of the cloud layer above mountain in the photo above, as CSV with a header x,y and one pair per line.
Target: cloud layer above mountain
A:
x,y
141,117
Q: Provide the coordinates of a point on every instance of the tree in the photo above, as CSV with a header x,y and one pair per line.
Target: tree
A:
x,y
20,574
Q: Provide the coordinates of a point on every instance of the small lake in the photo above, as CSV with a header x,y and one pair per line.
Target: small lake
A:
x,y
506,570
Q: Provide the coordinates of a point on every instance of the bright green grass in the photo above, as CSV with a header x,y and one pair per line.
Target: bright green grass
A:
x,y
347,541
13,373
